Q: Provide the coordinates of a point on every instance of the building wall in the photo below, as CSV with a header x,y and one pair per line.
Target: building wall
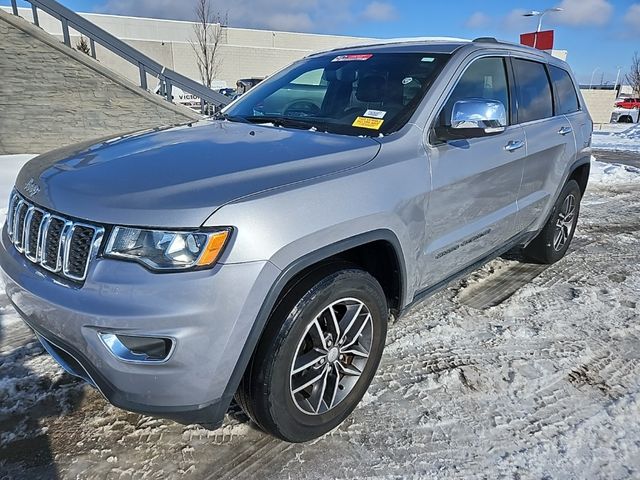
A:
x,y
244,52
51,95
600,104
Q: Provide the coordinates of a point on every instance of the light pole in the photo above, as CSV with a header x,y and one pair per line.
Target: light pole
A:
x,y
615,86
592,75
540,15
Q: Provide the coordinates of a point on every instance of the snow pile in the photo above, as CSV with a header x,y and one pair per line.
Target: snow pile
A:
x,y
625,140
612,173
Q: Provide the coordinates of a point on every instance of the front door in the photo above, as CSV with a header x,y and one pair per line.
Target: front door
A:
x,y
475,182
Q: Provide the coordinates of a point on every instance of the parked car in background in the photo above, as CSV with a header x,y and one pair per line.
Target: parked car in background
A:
x,y
229,92
625,115
245,84
628,103
263,254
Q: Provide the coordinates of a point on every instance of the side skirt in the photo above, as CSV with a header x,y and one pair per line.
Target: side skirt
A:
x,y
520,239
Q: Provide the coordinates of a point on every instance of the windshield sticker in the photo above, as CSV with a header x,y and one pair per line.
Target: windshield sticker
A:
x,y
375,113
361,57
407,81
370,123
428,59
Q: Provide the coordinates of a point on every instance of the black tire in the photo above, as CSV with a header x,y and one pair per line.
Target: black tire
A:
x,y
265,392
545,248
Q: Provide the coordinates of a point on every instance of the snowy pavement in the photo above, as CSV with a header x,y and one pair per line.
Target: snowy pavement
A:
x,y
623,138
517,371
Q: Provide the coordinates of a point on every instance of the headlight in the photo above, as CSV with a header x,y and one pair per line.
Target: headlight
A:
x,y
166,250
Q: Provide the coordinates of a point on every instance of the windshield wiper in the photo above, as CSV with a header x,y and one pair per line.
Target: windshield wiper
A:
x,y
231,118
282,121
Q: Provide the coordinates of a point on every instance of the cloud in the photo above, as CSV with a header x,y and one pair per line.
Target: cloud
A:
x,y
632,19
478,20
294,15
380,12
579,13
515,22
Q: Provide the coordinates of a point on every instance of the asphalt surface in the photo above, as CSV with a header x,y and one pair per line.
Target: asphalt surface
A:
x,y
622,157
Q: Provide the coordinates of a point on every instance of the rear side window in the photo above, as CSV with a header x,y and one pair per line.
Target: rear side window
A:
x,y
566,95
535,100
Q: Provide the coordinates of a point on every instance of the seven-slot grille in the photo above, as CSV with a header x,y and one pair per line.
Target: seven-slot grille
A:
x,y
58,244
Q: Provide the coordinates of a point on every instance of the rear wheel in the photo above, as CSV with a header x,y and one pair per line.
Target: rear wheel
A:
x,y
317,356
554,239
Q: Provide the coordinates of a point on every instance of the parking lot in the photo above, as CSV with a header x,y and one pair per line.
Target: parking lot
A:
x,y
517,371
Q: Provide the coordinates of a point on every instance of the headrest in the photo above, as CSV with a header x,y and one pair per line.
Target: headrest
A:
x,y
371,89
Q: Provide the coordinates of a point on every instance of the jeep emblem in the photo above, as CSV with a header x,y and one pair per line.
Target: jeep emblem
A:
x,y
31,188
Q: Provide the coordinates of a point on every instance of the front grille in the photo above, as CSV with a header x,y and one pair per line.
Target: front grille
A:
x,y
60,245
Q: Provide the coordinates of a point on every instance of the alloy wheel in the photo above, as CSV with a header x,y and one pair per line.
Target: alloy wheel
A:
x,y
565,223
331,356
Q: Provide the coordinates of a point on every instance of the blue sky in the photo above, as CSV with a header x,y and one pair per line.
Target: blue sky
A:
x,y
599,34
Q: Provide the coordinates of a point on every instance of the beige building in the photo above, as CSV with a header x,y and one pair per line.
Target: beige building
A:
x,y
244,52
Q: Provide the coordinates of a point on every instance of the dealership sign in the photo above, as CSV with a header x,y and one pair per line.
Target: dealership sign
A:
x,y
540,40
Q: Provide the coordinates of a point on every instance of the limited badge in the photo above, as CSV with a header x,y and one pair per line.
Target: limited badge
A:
x,y
370,123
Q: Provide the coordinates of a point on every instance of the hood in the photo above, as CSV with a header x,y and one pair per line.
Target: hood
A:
x,y
177,177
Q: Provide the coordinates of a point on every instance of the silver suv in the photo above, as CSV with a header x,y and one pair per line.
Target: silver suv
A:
x,y
261,254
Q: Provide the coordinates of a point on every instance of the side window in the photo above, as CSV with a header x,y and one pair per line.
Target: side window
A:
x,y
485,78
535,101
565,91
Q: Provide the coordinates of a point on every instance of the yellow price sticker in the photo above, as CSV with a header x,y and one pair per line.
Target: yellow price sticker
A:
x,y
370,123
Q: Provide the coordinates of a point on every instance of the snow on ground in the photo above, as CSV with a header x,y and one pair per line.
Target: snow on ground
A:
x,y
517,371
10,165
623,138
607,173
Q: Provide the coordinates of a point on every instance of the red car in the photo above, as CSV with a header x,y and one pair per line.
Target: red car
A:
x,y
629,103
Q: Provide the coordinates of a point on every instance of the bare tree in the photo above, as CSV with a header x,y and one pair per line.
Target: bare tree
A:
x,y
633,77
209,31
83,46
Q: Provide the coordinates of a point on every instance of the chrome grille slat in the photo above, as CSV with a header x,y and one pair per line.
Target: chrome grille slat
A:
x,y
48,240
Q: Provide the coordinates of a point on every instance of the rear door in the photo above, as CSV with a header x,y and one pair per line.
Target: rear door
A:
x,y
568,104
473,203
550,141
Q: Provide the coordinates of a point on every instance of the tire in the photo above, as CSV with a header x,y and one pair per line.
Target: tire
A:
x,y
554,239
267,391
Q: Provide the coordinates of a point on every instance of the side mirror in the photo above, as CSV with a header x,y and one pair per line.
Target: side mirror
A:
x,y
479,113
475,117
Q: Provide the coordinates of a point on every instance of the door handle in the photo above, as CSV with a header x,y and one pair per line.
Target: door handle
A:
x,y
514,145
565,130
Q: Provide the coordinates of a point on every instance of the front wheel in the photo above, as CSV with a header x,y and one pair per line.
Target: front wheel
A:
x,y
317,356
554,239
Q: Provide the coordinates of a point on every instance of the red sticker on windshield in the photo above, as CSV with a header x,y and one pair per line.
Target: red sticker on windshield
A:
x,y
359,57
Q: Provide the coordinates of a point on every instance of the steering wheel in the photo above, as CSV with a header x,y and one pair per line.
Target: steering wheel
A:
x,y
302,108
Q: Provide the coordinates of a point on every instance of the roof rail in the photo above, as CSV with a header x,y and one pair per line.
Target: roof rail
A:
x,y
485,40
146,65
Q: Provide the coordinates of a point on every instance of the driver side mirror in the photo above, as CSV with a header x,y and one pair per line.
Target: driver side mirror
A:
x,y
473,118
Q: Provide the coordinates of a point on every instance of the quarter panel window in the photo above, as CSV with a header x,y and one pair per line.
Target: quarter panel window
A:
x,y
535,100
565,91
484,78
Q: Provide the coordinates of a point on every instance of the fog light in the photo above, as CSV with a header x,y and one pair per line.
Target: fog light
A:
x,y
138,349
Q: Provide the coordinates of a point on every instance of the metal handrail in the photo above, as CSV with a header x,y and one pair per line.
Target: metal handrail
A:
x,y
146,65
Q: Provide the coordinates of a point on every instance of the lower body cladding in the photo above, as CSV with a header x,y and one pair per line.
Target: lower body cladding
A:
x,y
166,345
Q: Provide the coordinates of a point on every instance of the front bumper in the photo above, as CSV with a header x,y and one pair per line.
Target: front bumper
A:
x,y
208,313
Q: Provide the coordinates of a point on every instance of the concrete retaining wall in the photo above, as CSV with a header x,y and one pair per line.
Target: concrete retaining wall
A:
x,y
243,52
600,104
52,95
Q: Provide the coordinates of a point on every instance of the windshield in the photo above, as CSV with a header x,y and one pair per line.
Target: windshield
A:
x,y
358,94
